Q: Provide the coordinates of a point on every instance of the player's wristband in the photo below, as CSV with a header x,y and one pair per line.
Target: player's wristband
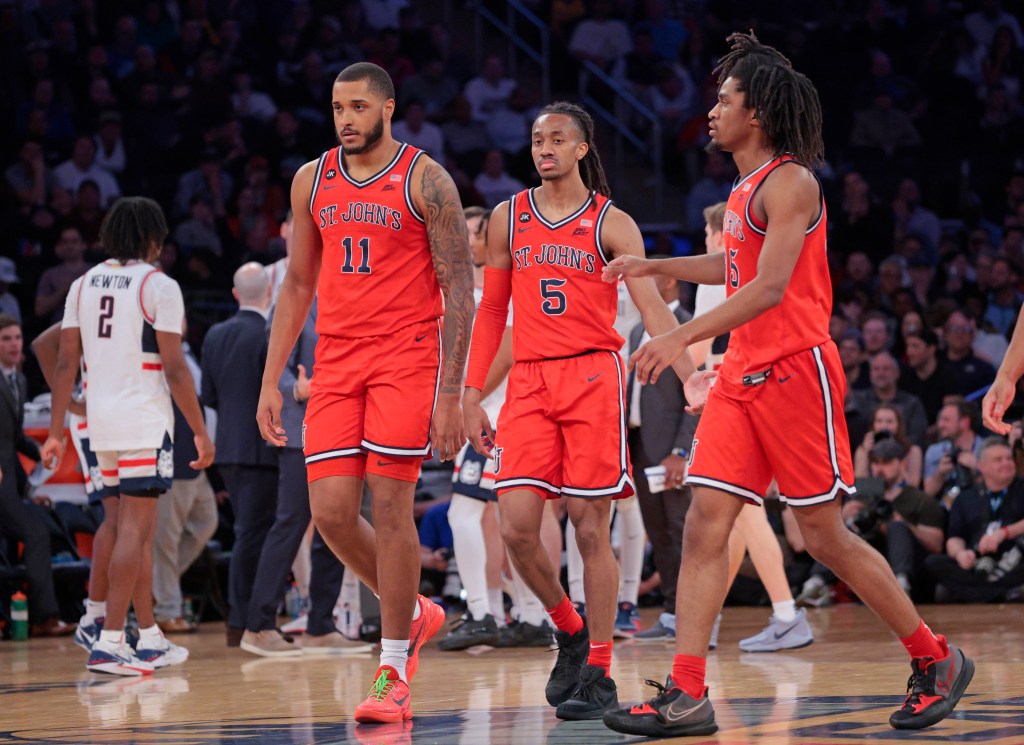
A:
x,y
489,326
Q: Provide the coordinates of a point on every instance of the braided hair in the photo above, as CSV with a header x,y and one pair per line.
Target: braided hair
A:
x,y
785,101
131,227
591,170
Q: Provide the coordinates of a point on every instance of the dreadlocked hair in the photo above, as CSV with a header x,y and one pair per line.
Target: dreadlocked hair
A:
x,y
785,101
131,227
591,170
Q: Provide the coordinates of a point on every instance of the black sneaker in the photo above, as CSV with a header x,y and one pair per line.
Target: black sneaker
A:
x,y
934,688
469,633
519,634
594,695
672,713
573,650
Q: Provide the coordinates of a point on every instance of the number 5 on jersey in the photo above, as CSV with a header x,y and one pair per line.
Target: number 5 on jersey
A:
x,y
554,300
348,267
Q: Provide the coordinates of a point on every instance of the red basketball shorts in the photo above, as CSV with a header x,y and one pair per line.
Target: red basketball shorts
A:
x,y
792,428
562,429
371,402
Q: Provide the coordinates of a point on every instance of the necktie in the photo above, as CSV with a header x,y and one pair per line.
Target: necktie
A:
x,y
12,381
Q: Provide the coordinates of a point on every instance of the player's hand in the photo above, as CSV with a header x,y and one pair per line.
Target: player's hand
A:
x,y
447,428
675,470
990,542
478,424
996,402
696,388
268,416
302,385
625,266
966,559
52,452
653,357
205,450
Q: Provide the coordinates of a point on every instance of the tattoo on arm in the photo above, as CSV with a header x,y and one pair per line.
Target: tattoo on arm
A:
x,y
449,243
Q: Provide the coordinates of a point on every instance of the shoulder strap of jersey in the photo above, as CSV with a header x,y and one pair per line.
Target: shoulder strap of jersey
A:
x,y
142,286
316,178
416,154
599,222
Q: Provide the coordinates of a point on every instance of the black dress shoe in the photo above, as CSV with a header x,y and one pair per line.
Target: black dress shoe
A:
x,y
234,636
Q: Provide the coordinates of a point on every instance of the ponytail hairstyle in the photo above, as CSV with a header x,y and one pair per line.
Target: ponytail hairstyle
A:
x,y
591,170
785,102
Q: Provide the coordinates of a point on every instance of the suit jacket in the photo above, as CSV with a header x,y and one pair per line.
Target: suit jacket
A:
x,y
13,439
664,423
293,413
234,353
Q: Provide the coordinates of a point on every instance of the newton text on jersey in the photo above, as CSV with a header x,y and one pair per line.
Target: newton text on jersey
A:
x,y
554,255
110,281
364,212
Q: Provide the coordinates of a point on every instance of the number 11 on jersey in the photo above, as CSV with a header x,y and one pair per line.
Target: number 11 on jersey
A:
x,y
364,260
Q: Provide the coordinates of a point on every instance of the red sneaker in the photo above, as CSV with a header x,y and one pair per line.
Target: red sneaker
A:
x,y
387,699
423,628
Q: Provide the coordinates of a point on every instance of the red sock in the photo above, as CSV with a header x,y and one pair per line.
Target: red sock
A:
x,y
923,643
688,673
565,616
601,656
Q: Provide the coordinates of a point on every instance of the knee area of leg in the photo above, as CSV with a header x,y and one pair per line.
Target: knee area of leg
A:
x,y
590,539
518,540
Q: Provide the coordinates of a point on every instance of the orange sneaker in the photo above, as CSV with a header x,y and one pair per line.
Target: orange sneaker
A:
x,y
423,628
387,699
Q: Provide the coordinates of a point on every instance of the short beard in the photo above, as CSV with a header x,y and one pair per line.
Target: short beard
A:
x,y
713,147
371,138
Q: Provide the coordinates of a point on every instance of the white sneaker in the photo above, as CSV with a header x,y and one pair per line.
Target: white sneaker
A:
x,y
160,652
296,625
116,659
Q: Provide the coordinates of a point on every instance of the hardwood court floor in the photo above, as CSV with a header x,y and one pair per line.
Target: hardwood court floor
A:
x,y
839,690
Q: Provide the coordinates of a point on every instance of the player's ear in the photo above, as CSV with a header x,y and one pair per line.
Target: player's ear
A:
x,y
389,109
581,150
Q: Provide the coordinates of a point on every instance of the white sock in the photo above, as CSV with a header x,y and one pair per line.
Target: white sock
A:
x,y
416,610
631,548
395,652
528,607
575,565
464,517
112,637
496,600
95,609
785,610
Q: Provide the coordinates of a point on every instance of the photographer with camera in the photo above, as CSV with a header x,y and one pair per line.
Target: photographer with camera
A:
x,y
950,464
901,521
887,422
984,548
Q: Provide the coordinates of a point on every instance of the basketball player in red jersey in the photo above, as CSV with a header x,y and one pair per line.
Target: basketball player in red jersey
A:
x,y
378,236
777,406
562,429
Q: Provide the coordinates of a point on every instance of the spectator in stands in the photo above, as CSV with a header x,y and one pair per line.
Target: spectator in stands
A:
x,y
416,130
892,277
970,373
861,223
887,423
898,519
87,214
986,523
1004,298
983,23
81,166
29,178
875,330
9,276
432,87
912,218
669,35
493,183
110,149
855,364
200,229
951,462
881,130
382,14
639,68
209,181
926,374
56,281
250,103
600,39
489,91
885,372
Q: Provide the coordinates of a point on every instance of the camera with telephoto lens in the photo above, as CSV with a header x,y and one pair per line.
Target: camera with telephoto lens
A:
x,y
867,520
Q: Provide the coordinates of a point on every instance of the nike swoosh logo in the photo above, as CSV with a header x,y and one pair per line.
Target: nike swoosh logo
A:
x,y
401,701
421,338
384,463
328,186
591,380
523,230
777,634
671,715
783,380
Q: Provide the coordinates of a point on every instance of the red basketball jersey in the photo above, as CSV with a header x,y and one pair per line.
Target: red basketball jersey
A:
x,y
377,272
800,321
562,308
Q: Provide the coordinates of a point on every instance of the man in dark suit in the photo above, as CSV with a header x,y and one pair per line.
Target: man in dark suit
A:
x,y
18,523
660,433
232,369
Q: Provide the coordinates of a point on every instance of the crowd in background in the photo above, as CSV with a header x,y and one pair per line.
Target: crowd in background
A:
x,y
210,107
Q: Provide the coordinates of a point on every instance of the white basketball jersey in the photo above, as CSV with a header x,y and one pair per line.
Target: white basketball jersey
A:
x,y
626,317
118,308
275,273
492,403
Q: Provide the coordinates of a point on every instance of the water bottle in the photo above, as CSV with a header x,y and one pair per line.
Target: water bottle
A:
x,y
19,617
293,601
